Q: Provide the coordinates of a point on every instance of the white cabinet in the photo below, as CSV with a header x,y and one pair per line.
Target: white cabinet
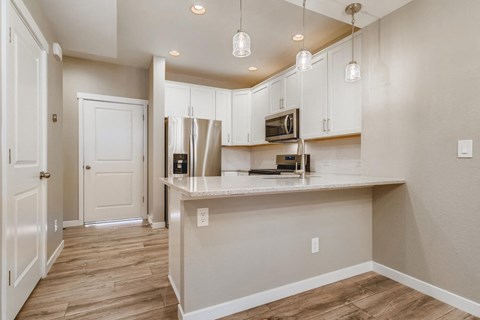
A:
x,y
202,102
223,112
177,100
284,92
292,90
345,98
314,111
241,102
260,109
185,100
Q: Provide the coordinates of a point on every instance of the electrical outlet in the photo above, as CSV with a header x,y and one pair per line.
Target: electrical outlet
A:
x,y
202,217
315,245
56,225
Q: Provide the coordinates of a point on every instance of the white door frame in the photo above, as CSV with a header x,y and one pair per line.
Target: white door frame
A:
x,y
30,23
82,96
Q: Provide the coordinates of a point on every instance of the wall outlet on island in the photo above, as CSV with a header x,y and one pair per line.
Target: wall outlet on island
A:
x,y
315,245
202,217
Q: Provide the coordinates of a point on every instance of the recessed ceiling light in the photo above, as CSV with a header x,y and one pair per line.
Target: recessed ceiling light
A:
x,y
252,68
198,9
174,53
297,37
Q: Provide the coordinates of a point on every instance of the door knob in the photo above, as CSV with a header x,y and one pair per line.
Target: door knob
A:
x,y
45,175
88,167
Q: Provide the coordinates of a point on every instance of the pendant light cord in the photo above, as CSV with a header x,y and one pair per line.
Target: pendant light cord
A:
x,y
241,16
353,30
303,24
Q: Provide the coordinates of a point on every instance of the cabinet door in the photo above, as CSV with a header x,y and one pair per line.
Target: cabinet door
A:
x,y
203,102
177,100
241,117
223,112
277,89
314,97
260,109
345,102
292,92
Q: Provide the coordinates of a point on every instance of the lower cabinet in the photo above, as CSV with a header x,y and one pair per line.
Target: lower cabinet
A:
x,y
241,107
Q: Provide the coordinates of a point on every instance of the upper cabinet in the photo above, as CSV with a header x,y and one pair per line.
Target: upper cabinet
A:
x,y
177,100
184,100
345,98
223,112
260,109
241,107
314,112
284,92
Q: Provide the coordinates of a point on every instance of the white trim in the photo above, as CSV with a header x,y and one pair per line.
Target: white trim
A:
x,y
450,298
44,183
257,299
155,225
175,290
54,257
27,18
80,160
104,98
72,223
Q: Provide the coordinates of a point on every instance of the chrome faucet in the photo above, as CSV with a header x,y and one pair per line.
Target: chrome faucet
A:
x,y
301,152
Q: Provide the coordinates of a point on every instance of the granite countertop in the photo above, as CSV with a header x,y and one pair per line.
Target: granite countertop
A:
x,y
217,187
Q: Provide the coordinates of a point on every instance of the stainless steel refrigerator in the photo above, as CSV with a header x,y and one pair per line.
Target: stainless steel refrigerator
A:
x,y
193,148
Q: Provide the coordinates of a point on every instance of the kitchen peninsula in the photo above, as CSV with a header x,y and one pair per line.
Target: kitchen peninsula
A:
x,y
266,238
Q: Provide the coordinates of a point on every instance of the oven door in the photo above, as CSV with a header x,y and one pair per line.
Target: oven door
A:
x,y
282,126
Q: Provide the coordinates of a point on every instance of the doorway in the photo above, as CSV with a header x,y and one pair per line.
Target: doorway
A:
x,y
112,158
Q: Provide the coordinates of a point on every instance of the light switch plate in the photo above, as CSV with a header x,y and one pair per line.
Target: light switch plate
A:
x,y
465,148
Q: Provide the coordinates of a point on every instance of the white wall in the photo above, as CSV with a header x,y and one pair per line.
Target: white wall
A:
x,y
340,155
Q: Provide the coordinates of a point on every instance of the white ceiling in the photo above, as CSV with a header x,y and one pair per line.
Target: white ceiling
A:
x,y
129,32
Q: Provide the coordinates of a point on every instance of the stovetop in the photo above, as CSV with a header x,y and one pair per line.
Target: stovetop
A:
x,y
270,171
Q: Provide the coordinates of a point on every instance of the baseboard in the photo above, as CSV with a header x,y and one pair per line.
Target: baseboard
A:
x,y
450,298
53,258
72,223
175,290
155,225
257,299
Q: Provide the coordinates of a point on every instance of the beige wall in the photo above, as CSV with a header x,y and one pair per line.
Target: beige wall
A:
x,y
156,139
327,156
54,138
420,95
81,75
236,158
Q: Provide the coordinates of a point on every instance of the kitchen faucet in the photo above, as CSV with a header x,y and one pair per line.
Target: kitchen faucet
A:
x,y
301,152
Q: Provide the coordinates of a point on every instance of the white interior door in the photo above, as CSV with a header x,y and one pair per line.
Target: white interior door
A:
x,y
113,161
26,151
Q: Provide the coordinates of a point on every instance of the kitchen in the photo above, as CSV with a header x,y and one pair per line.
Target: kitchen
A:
x,y
411,121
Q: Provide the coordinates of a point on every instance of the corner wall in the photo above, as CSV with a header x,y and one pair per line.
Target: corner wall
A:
x,y
88,76
421,77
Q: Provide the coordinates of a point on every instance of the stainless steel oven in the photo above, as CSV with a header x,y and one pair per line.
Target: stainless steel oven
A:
x,y
282,126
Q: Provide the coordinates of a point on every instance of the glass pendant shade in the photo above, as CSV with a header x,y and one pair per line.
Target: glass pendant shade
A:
x,y
352,72
304,60
241,44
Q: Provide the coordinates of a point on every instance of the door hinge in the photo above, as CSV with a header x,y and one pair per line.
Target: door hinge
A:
x,y
9,277
143,117
143,158
143,199
10,35
9,156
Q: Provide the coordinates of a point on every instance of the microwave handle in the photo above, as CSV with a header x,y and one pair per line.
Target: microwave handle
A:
x,y
287,124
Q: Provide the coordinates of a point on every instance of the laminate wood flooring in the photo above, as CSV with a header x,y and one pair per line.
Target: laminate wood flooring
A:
x,y
115,272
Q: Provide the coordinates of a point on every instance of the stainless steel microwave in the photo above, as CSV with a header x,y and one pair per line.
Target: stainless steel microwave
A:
x,y
282,126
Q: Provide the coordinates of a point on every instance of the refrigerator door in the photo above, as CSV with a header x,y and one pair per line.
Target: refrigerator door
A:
x,y
206,148
177,144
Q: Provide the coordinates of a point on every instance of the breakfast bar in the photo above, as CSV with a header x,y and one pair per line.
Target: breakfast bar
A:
x,y
264,238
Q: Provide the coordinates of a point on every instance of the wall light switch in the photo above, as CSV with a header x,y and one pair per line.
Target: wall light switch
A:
x,y
465,148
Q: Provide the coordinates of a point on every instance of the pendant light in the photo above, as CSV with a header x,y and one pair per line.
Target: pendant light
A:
x,y
241,40
304,57
352,70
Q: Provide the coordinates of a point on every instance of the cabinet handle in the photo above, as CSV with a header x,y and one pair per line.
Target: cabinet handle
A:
x,y
228,139
328,124
248,137
324,124
191,113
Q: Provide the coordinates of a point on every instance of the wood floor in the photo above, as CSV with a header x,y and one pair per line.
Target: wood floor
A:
x,y
120,272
